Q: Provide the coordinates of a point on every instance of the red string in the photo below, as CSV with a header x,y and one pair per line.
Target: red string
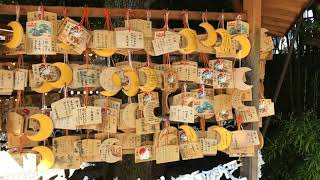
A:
x,y
205,59
106,13
239,121
184,21
41,12
128,18
17,12
88,133
85,18
65,12
166,21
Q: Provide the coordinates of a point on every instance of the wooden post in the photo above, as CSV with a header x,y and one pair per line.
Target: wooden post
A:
x,y
253,10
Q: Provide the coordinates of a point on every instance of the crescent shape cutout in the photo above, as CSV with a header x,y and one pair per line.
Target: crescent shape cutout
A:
x,y
236,100
109,152
110,81
65,75
225,137
46,127
133,86
152,80
211,34
190,133
191,38
17,37
47,157
165,103
105,52
225,40
43,88
148,112
245,46
130,110
238,75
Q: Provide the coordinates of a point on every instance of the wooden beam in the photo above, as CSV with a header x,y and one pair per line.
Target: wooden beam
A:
x,y
266,14
120,12
253,10
272,27
278,7
268,10
281,24
275,33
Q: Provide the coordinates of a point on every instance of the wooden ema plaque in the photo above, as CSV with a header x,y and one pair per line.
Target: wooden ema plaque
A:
x,y
109,120
143,127
169,153
266,108
244,138
109,152
186,70
128,140
190,151
15,123
223,107
144,154
39,38
64,107
146,97
127,39
65,156
165,42
89,150
77,37
85,76
20,79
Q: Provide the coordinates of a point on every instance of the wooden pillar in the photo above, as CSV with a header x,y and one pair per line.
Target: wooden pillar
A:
x,y
253,10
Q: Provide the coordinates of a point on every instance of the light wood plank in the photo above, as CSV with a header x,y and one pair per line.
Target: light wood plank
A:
x,y
253,9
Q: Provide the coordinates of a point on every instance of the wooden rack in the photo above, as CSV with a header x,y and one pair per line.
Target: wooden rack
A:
x,y
121,12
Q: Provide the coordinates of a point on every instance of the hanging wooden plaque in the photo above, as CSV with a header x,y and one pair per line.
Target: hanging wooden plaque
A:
x,y
89,150
144,154
146,97
266,108
165,154
223,107
190,151
186,70
109,152
142,127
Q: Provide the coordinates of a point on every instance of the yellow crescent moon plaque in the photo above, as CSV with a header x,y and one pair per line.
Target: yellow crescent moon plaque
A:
x,y
245,46
211,34
65,75
132,87
46,127
152,80
191,41
47,157
17,37
223,136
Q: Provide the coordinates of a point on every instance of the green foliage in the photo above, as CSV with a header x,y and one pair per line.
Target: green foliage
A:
x,y
292,149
